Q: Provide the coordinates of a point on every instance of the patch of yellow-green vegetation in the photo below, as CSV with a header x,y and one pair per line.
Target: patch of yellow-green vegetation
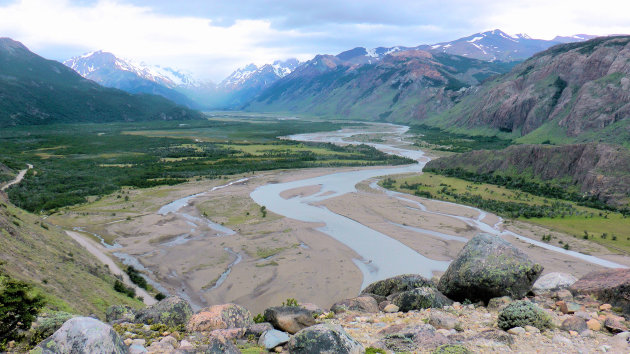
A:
x,y
262,149
45,155
261,265
121,165
69,278
234,211
176,159
251,349
603,227
264,252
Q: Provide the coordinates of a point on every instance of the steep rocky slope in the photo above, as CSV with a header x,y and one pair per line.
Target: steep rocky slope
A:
x,y
34,90
570,92
600,170
66,274
402,86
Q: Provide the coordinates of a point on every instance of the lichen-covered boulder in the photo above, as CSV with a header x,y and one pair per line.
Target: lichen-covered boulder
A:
x,y
172,311
83,335
523,313
220,317
289,319
488,267
552,282
325,339
120,313
360,304
257,329
420,298
397,284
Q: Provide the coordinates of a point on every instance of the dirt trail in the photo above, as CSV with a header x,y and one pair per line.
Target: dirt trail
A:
x,y
96,250
17,179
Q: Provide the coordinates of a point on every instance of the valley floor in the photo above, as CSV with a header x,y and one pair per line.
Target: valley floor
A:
x,y
269,258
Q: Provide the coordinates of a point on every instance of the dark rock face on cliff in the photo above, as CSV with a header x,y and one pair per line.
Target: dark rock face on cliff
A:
x,y
596,169
570,89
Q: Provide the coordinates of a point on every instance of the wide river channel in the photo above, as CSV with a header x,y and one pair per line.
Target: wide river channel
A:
x,y
379,255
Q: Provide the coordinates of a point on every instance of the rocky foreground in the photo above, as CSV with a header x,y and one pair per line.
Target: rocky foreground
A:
x,y
491,299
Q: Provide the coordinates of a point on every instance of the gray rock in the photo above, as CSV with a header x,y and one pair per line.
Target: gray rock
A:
x,y
120,313
325,339
218,345
289,319
83,335
488,267
360,304
273,338
172,311
553,282
574,323
499,303
220,317
412,338
518,331
442,320
257,329
420,298
560,340
397,284
137,349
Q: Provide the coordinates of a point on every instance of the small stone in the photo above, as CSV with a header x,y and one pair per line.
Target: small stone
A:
x,y
164,334
531,329
564,295
614,325
443,320
558,339
139,341
169,341
605,307
137,349
604,348
574,324
573,333
594,325
570,307
391,308
128,341
278,349
498,303
516,331
586,333
457,305
383,304
185,345
273,338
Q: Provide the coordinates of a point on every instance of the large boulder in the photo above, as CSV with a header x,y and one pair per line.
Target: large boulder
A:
x,y
488,267
397,284
414,338
420,298
359,304
608,285
83,335
325,339
220,317
172,311
553,282
289,319
217,345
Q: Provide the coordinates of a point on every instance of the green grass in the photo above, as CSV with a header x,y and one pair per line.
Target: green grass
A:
x,y
595,222
73,162
443,140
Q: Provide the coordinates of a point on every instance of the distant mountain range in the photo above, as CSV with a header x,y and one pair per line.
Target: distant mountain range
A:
x,y
247,82
108,70
34,90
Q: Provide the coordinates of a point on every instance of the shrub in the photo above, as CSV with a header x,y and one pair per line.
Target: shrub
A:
x,y
48,325
259,318
160,297
18,307
452,349
291,302
523,313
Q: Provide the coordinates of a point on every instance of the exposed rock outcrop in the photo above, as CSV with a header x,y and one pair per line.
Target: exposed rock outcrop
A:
x,y
609,285
83,335
171,311
325,339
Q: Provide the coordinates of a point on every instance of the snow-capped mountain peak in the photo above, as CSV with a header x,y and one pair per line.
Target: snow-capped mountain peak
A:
x,y
252,74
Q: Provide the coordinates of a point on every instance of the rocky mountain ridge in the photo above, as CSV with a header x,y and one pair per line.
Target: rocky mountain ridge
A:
x,y
403,86
570,92
39,91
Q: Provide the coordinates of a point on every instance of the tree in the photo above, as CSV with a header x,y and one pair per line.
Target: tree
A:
x,y
18,307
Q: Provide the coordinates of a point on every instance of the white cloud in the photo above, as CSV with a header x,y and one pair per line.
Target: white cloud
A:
x,y
223,35
139,33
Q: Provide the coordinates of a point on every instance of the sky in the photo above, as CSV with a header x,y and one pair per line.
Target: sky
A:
x,y
211,38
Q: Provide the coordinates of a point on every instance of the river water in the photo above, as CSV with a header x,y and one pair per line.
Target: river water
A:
x,y
380,256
